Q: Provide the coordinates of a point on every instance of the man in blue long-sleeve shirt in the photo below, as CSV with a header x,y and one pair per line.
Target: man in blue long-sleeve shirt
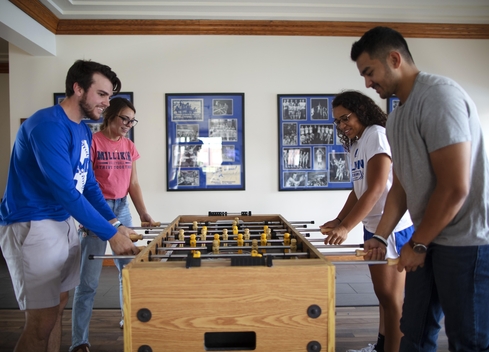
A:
x,y
51,183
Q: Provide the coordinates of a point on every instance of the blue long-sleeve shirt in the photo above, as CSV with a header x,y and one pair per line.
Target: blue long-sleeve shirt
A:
x,y
51,177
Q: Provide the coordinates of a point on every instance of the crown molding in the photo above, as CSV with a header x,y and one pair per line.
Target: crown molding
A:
x,y
286,28
4,68
41,14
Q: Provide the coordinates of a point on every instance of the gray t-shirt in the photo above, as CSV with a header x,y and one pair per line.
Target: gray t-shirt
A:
x,y
439,113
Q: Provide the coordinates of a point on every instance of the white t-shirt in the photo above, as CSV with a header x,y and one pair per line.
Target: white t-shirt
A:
x,y
372,142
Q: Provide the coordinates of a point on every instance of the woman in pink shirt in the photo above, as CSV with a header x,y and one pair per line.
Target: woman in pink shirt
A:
x,y
113,157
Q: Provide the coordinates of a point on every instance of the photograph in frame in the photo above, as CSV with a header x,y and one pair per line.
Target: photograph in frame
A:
x,y
311,155
392,103
205,141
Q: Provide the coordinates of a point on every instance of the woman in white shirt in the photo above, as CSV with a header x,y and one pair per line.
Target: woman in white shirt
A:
x,y
360,125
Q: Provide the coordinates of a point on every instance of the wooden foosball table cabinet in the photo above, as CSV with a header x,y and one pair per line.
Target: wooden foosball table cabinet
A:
x,y
275,299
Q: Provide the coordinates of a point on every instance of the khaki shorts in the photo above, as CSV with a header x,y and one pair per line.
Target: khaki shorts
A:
x,y
43,258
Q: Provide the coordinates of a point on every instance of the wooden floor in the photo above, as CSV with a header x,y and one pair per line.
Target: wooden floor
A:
x,y
355,328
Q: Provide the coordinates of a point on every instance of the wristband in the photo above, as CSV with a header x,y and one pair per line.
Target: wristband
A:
x,y
380,239
338,220
117,224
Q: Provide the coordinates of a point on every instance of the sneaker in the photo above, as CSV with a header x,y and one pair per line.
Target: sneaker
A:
x,y
369,348
81,348
121,324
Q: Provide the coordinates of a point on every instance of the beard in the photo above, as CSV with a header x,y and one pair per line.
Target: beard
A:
x,y
87,110
389,85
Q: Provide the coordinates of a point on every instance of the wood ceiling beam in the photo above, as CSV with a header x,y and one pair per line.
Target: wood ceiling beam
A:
x,y
285,28
4,67
41,14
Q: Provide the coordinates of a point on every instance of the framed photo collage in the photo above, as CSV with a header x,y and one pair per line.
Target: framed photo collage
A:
x,y
311,156
205,141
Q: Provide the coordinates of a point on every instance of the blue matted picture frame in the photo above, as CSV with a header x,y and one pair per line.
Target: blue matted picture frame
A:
x,y
205,141
95,125
392,103
311,156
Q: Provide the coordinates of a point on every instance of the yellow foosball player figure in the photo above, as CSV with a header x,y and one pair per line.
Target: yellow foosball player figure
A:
x,y
254,245
293,245
240,242
225,237
181,236
247,236
203,235
193,241
263,241
287,241
215,246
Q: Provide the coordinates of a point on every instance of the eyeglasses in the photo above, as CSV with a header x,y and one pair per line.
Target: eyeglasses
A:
x,y
342,118
127,121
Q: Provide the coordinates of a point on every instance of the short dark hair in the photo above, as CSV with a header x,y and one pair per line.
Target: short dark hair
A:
x,y
366,110
114,109
378,42
82,71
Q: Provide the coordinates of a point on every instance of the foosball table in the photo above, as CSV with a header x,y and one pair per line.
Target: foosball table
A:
x,y
227,283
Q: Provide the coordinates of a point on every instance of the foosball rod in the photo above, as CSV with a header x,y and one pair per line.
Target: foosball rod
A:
x,y
308,230
253,226
242,223
326,246
358,253
137,237
230,248
277,227
253,233
165,256
158,224
388,261
212,241
211,232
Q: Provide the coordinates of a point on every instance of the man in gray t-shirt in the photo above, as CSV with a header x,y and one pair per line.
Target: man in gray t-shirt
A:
x,y
441,175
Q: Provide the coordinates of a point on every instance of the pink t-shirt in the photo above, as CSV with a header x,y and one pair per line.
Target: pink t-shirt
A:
x,y
112,164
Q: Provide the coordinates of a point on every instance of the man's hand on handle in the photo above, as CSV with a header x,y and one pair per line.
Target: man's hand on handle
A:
x,y
121,242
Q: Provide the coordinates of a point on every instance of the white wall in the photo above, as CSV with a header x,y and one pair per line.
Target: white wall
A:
x,y
259,66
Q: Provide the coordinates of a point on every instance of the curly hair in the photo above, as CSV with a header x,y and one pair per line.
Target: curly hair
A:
x,y
114,109
367,112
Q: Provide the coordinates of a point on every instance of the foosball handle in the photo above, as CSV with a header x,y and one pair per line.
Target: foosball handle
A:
x,y
135,237
148,224
391,261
